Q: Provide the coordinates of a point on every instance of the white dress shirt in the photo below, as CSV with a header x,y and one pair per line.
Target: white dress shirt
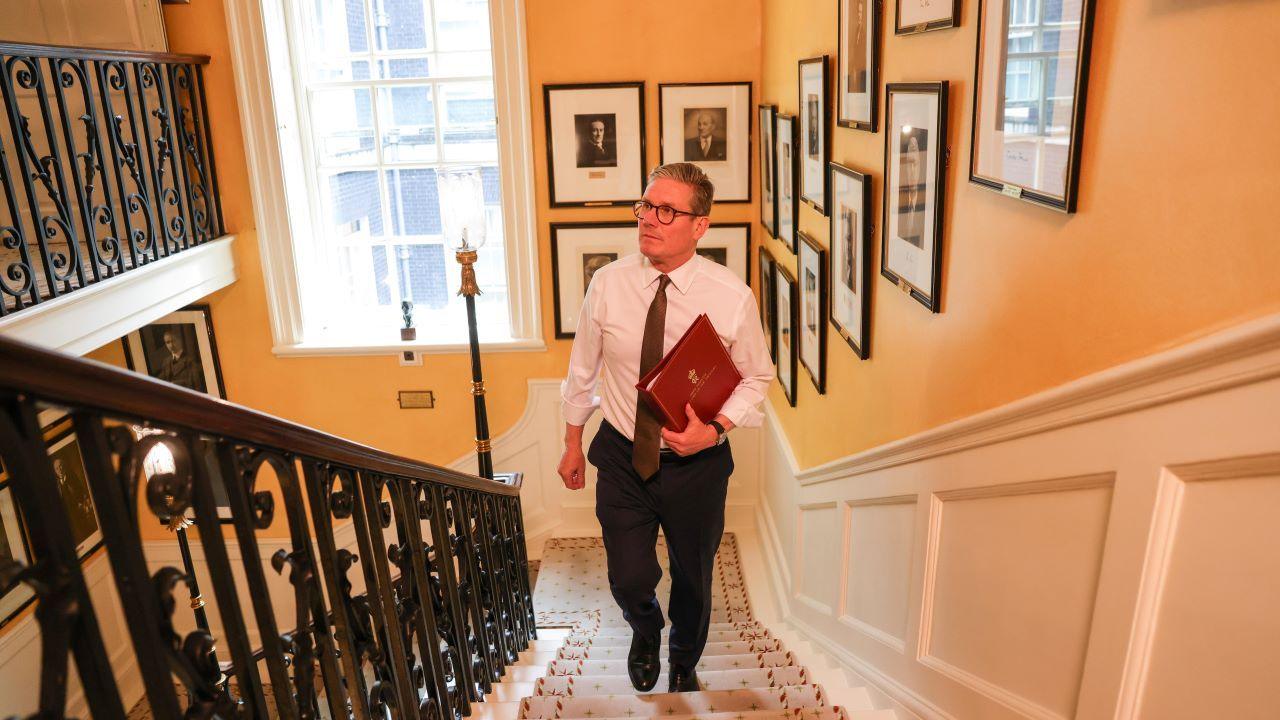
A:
x,y
611,328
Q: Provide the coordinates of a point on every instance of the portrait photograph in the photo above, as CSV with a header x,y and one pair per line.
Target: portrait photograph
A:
x,y
786,302
785,140
812,268
715,255
578,251
850,247
595,143
13,546
911,236
709,124
1028,102
917,16
597,140
704,136
768,201
768,300
814,138
858,64
73,481
178,348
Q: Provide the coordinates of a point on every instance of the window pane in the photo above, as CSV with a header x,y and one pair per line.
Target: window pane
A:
x,y
468,64
338,28
463,24
408,123
470,128
355,205
420,270
415,203
342,122
401,25
404,68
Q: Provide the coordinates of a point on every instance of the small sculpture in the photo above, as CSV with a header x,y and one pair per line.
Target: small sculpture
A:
x,y
408,332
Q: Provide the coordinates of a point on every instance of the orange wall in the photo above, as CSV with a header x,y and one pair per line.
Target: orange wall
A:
x,y
356,396
1174,237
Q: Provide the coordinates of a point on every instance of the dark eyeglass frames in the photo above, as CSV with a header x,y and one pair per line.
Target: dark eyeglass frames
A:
x,y
666,213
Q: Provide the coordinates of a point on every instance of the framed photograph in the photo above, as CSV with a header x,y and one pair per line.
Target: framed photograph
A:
x,y
1028,101
13,546
595,143
785,183
730,245
709,124
815,142
850,253
914,157
917,16
578,250
73,481
178,348
811,266
768,300
768,157
858,64
787,301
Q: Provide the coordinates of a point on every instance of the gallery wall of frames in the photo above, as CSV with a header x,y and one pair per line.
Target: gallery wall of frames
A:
x,y
1028,89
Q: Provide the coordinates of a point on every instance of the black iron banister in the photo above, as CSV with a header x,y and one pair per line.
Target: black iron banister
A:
x,y
447,603
106,164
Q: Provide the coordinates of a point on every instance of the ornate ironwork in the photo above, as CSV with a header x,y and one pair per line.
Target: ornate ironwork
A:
x,y
105,165
444,604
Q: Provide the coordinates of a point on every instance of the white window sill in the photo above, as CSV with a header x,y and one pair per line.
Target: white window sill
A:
x,y
321,349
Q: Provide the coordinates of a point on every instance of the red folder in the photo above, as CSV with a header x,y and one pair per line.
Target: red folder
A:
x,y
697,371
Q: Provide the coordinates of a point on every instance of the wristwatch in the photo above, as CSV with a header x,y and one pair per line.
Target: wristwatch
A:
x,y
719,430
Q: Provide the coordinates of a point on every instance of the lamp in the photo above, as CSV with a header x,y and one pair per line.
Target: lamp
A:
x,y
463,221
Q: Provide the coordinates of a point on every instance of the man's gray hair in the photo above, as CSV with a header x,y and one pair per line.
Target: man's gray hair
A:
x,y
691,175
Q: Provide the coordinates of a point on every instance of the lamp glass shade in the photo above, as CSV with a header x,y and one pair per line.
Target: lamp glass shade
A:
x,y
462,207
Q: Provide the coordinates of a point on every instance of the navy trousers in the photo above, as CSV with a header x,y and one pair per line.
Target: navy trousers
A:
x,y
686,499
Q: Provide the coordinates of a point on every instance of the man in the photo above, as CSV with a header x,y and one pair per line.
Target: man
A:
x,y
649,477
596,151
176,366
704,147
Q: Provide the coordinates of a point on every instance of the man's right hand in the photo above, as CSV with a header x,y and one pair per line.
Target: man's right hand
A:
x,y
573,467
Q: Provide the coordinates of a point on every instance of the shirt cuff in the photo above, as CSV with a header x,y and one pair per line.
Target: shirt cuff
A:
x,y
742,414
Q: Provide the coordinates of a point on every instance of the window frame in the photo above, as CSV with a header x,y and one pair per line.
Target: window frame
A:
x,y
268,92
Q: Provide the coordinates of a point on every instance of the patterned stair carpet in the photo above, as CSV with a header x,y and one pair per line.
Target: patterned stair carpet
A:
x,y
745,673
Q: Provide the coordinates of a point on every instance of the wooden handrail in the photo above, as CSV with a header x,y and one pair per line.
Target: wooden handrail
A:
x,y
79,382
87,53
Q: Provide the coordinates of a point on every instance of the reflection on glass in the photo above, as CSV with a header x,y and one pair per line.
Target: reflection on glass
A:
x,y
342,123
408,123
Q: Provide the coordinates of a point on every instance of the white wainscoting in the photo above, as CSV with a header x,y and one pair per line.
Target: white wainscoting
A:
x,y
20,652
1106,549
534,446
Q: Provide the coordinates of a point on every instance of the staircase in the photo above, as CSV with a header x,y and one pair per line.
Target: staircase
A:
x,y
579,671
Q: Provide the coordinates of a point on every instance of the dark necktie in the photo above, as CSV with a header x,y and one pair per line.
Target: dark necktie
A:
x,y
644,453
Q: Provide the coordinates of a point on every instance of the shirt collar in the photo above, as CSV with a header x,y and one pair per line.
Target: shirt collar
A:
x,y
681,277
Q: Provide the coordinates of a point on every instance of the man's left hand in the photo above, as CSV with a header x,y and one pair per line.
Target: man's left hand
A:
x,y
697,435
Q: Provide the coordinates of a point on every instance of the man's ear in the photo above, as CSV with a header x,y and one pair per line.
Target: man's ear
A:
x,y
700,226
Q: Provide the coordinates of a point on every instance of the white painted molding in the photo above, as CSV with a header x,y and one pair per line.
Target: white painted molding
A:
x,y
1241,355
97,314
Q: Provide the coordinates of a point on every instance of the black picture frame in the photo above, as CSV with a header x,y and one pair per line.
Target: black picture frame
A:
x,y
766,118
725,186
16,596
814,125
924,27
194,323
616,244
741,247
861,279
814,295
928,296
68,468
768,299
785,284
873,22
996,120
561,197
786,140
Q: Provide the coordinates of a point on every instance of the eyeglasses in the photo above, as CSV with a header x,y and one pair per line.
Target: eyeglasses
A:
x,y
666,213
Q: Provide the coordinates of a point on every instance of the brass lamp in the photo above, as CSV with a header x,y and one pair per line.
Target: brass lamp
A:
x,y
462,217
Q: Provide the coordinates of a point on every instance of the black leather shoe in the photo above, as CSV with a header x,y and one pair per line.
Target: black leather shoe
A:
x,y
682,679
643,663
